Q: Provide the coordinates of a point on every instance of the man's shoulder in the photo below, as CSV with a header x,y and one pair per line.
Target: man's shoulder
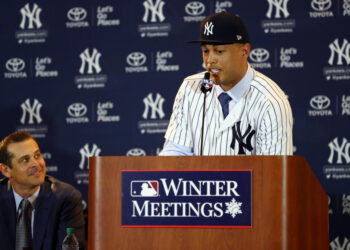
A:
x,y
59,187
261,79
198,76
4,182
267,88
191,83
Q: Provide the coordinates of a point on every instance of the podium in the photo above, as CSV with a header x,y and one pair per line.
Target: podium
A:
x,y
289,206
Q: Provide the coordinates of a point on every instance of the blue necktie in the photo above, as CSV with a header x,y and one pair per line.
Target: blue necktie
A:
x,y
224,99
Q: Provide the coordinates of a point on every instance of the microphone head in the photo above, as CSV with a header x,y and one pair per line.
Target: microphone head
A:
x,y
207,84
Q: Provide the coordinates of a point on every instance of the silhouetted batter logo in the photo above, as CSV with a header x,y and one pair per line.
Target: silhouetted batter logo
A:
x,y
144,189
244,140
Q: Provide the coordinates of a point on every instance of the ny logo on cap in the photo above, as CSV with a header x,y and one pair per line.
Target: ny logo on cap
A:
x,y
208,28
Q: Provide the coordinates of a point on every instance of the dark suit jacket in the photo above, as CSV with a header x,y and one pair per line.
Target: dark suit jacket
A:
x,y
59,205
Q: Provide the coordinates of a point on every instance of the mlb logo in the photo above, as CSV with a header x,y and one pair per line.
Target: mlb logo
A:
x,y
144,189
207,83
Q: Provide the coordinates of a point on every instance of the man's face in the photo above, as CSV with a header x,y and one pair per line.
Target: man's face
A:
x,y
226,63
28,166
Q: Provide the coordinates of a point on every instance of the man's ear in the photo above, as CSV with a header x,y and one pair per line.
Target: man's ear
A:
x,y
246,49
5,170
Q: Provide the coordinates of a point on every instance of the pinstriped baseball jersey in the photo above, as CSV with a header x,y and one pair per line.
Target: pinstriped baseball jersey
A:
x,y
260,123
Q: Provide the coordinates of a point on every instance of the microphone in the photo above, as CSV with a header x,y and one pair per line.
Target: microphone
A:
x,y
207,85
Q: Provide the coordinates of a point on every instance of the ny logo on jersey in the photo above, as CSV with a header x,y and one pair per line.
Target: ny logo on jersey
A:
x,y
85,153
280,6
93,61
33,111
33,16
343,52
342,151
244,140
208,28
156,106
155,8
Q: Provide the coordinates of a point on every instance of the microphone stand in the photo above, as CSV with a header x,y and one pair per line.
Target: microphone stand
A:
x,y
206,86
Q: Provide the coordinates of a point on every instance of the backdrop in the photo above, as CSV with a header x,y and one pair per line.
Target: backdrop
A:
x,y
99,77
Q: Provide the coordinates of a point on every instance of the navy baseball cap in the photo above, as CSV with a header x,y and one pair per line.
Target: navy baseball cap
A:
x,y
222,28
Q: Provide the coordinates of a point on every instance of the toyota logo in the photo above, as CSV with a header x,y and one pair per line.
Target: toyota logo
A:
x,y
194,8
15,64
320,102
259,55
321,5
136,152
76,14
136,59
77,109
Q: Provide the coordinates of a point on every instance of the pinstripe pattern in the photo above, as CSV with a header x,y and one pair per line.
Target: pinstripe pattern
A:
x,y
263,106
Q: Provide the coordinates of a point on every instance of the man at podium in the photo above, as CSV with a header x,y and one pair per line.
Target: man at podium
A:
x,y
246,113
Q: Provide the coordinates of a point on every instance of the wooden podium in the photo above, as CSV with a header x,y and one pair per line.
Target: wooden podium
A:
x,y
289,206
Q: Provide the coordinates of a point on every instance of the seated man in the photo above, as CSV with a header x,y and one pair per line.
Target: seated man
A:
x,y
35,209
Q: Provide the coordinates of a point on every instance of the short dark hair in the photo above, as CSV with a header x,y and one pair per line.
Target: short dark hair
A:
x,y
20,136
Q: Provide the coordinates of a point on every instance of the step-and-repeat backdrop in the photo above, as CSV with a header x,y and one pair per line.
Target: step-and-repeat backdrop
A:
x,y
98,77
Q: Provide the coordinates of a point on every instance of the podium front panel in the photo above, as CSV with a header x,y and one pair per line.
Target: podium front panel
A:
x,y
289,206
